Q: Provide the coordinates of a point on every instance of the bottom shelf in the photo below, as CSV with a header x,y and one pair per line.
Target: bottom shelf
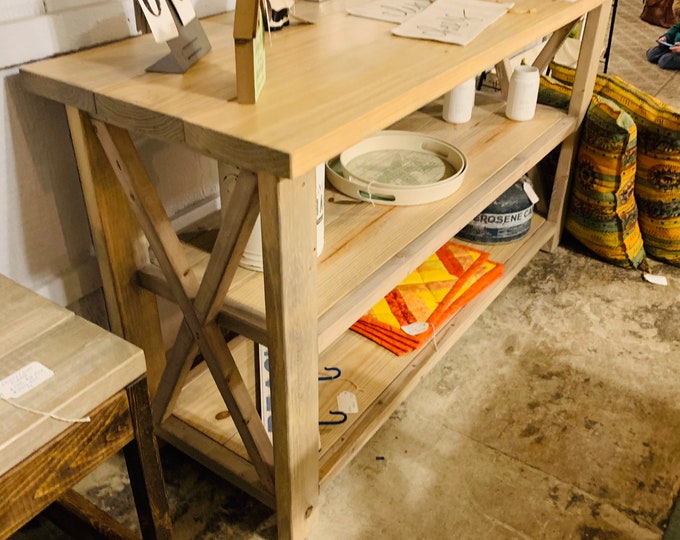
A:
x,y
201,426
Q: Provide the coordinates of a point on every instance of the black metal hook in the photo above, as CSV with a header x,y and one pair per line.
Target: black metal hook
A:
x,y
342,415
336,373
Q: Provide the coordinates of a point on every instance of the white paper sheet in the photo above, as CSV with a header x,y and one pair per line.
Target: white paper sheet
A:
x,y
395,11
453,21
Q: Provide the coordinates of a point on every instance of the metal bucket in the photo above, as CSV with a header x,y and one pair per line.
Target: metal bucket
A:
x,y
507,219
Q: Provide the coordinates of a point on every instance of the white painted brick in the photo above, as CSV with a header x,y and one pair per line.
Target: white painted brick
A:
x,y
11,10
44,238
39,37
54,6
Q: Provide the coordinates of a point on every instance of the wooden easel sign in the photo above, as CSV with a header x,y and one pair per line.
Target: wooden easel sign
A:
x,y
249,49
175,23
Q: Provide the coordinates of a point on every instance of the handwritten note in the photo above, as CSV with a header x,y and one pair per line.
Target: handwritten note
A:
x,y
452,21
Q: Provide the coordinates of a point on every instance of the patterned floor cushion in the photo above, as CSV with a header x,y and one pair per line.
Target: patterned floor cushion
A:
x,y
602,213
657,181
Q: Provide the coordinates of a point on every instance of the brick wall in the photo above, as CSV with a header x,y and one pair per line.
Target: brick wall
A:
x,y
45,242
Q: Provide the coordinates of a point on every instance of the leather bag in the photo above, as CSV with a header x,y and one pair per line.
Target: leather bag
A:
x,y
659,13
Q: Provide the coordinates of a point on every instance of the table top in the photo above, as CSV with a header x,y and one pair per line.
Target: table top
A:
x,y
329,84
89,365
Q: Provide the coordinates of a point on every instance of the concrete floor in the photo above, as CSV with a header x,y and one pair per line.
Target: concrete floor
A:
x,y
556,416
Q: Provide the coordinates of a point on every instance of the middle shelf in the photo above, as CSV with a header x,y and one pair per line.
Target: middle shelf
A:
x,y
363,258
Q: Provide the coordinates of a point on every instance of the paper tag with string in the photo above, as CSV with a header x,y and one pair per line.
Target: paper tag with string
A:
x,y
24,379
347,402
27,378
415,328
529,190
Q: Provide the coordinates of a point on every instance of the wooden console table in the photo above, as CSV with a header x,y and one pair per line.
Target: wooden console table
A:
x,y
328,86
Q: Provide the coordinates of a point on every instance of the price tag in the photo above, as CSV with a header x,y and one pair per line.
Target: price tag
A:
x,y
653,278
415,328
529,190
23,380
347,402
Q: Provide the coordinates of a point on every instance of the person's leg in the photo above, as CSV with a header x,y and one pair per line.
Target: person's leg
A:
x,y
655,53
670,60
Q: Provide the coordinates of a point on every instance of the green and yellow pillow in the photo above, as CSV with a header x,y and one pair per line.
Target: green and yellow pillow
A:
x,y
657,180
602,213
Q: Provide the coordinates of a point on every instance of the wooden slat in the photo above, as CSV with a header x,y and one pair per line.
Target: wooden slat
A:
x,y
288,218
45,475
132,311
555,41
503,74
228,465
24,316
80,518
144,468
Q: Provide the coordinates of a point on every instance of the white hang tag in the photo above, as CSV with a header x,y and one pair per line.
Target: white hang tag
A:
x,y
185,10
159,17
529,190
347,402
415,328
656,280
24,379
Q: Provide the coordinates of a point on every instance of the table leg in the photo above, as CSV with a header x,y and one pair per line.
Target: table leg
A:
x,y
196,299
120,246
584,80
144,467
289,255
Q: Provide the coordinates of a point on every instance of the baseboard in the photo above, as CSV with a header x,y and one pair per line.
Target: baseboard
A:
x,y
72,284
196,212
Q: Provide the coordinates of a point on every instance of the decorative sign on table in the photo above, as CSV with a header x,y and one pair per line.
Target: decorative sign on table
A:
x,y
249,47
175,23
249,30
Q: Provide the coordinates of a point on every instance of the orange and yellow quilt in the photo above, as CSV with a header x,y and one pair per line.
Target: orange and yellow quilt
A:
x,y
410,314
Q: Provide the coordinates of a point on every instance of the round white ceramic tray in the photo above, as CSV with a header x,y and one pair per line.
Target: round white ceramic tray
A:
x,y
398,168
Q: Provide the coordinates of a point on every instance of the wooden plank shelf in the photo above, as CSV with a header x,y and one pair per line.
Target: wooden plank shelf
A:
x,y
363,259
379,379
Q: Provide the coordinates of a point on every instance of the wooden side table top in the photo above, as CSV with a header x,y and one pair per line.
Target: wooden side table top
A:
x,y
89,364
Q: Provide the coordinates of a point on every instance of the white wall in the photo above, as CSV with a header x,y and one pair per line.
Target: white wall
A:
x,y
45,241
